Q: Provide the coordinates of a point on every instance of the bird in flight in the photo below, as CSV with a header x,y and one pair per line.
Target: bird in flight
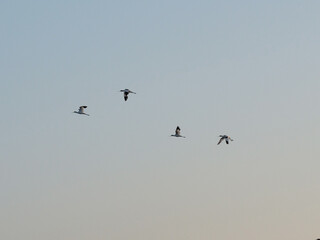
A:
x,y
224,137
80,111
177,133
126,93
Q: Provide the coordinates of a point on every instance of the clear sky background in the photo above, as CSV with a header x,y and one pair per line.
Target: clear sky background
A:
x,y
249,69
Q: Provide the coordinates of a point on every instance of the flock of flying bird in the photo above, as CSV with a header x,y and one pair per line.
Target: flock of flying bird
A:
x,y
177,133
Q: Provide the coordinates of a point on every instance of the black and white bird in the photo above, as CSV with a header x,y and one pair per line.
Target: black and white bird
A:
x,y
177,133
224,137
81,111
126,93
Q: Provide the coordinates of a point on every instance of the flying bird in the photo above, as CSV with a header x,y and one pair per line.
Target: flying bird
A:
x,y
80,111
177,133
126,93
224,137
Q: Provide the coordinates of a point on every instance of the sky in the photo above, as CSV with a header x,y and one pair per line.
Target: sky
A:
x,y
248,69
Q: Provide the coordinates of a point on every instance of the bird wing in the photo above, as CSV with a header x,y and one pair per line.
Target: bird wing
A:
x,y
220,141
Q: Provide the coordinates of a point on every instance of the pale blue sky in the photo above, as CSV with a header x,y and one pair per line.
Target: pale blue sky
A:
x,y
244,68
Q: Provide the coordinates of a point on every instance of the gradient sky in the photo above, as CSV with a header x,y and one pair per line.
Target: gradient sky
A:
x,y
249,69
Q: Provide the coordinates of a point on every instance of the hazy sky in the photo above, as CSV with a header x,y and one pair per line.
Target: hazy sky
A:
x,y
249,69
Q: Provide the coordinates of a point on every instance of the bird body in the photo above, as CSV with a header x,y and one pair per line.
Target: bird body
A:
x,y
177,133
126,93
224,137
81,110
